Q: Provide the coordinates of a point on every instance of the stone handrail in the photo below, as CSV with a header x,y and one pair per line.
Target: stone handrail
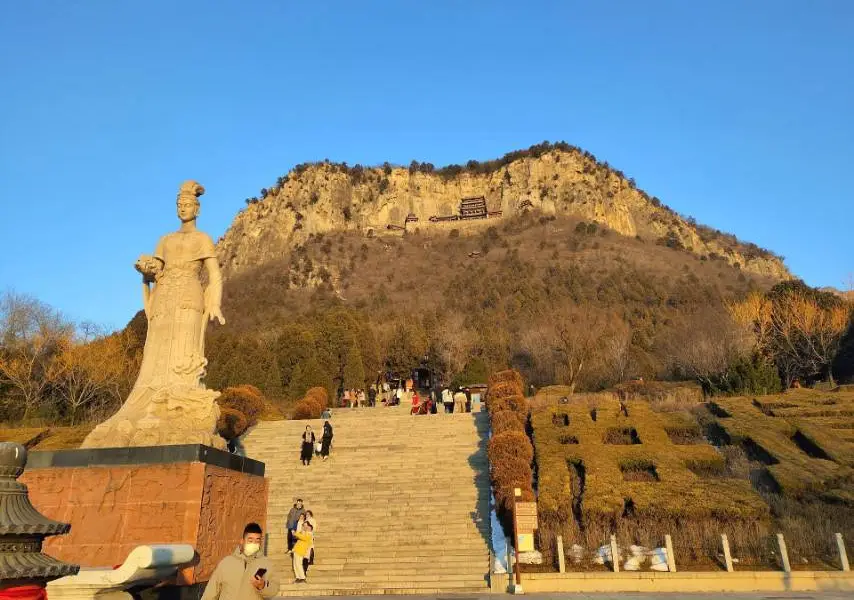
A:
x,y
145,565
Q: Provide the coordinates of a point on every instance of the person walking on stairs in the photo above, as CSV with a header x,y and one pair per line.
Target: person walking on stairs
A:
x,y
307,445
459,401
302,550
245,575
447,400
292,522
326,440
308,517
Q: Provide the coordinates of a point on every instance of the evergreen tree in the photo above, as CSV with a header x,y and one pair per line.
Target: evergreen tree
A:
x,y
354,370
475,371
307,375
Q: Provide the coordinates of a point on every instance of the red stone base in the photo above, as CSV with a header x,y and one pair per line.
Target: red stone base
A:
x,y
113,509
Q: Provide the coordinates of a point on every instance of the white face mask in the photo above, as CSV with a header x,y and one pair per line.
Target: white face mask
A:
x,y
251,548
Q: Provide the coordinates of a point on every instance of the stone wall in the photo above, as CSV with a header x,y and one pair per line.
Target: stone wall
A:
x,y
113,509
680,582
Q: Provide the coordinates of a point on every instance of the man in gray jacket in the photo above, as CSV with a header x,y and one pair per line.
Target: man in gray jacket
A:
x,y
292,521
245,575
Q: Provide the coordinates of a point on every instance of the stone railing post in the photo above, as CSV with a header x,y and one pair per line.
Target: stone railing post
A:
x,y
615,554
784,553
727,555
843,556
561,561
671,557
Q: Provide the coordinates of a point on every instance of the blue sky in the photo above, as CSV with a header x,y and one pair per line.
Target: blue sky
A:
x,y
740,114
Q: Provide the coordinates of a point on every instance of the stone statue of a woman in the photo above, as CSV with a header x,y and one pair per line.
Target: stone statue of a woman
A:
x,y
168,403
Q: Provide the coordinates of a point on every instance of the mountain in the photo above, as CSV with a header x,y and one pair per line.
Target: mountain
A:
x,y
554,179
564,270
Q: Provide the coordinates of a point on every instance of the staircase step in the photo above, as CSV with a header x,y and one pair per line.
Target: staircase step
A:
x,y
401,510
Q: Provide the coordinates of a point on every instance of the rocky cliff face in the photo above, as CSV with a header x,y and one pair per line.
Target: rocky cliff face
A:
x,y
324,197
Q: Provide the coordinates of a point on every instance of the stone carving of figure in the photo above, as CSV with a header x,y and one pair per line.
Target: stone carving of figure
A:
x,y
168,403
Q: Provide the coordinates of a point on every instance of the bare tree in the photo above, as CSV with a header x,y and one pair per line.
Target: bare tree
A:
x,y
704,345
453,342
32,334
569,342
92,372
798,333
617,351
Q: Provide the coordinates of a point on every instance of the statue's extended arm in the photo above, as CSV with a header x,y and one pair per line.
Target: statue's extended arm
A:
x,y
149,267
213,293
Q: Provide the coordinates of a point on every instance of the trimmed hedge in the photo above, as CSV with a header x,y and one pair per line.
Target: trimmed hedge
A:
x,y
505,376
312,405
516,404
320,395
506,420
240,406
231,423
510,446
510,451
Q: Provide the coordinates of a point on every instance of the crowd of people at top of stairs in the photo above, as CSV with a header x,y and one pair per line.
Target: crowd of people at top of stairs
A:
x,y
301,527
423,402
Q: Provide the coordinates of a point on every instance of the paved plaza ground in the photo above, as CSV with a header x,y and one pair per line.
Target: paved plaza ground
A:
x,y
624,596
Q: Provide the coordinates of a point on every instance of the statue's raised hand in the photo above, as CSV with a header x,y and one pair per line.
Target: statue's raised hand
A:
x,y
149,266
216,313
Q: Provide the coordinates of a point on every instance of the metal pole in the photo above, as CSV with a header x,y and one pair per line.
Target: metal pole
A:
x,y
671,558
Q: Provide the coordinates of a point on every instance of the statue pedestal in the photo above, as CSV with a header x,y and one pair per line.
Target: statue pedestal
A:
x,y
119,498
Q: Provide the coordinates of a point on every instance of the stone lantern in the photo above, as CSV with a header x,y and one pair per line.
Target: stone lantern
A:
x,y
24,569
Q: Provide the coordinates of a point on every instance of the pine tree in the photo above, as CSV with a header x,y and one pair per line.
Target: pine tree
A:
x,y
307,375
354,370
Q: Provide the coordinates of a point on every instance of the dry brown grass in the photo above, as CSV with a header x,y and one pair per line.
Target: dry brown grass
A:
x,y
27,436
663,396
65,438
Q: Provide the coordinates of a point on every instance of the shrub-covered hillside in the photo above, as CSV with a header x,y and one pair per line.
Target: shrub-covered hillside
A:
x,y
645,461
560,299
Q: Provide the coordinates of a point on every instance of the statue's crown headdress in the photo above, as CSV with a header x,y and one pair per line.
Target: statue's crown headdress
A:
x,y
192,189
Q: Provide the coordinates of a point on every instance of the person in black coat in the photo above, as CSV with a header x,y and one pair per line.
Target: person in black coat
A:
x,y
326,440
307,445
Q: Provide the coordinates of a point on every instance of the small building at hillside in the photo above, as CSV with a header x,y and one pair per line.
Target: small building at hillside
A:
x,y
473,208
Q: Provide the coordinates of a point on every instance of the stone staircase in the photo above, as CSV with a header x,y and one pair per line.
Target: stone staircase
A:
x,y
402,504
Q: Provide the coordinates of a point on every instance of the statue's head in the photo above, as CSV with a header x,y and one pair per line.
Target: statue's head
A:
x,y
188,200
